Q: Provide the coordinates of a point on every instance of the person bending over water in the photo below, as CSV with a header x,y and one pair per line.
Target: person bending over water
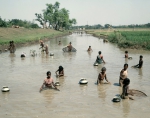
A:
x,y
60,71
89,49
46,49
102,76
100,58
123,74
69,47
48,82
42,45
140,63
125,89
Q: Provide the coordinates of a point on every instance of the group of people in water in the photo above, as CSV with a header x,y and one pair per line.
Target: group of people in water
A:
x,y
123,80
48,81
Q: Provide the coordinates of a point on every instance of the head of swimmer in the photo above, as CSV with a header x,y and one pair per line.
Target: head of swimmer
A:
x,y
125,66
141,57
126,81
48,74
99,52
103,70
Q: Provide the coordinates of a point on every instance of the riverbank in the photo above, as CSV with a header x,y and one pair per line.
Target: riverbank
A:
x,y
125,38
23,36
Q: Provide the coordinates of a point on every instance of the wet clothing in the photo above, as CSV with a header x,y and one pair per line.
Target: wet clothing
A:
x,y
99,59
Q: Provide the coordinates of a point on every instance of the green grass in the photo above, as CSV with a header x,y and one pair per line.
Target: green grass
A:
x,y
126,38
23,35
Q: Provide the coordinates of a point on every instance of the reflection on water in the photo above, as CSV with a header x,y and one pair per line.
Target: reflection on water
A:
x,y
25,76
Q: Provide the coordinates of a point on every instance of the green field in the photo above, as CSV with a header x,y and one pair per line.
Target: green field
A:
x,y
126,38
23,35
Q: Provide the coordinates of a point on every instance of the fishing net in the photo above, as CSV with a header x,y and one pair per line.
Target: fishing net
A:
x,y
137,93
65,49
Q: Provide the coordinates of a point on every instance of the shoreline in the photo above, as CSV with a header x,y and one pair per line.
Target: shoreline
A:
x,y
34,40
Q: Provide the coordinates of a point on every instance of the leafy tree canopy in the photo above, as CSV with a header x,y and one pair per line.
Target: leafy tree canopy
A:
x,y
55,17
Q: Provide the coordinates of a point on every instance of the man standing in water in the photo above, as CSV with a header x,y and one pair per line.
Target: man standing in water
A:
x,y
140,63
123,74
12,47
69,47
125,90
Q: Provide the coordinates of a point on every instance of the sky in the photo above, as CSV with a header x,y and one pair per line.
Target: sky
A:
x,y
91,12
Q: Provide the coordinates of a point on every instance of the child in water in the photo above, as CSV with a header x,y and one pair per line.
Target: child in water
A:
x,y
126,54
60,71
140,63
89,49
48,82
125,89
123,74
102,76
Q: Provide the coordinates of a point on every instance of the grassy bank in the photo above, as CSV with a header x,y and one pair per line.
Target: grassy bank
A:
x,y
125,38
23,35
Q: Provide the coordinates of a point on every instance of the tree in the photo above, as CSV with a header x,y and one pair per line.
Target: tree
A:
x,y
42,19
107,25
56,18
3,23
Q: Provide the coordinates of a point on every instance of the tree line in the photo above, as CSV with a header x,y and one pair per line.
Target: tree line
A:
x,y
17,22
51,17
99,26
54,17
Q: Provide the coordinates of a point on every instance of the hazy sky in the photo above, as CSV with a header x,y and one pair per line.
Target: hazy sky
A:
x,y
114,12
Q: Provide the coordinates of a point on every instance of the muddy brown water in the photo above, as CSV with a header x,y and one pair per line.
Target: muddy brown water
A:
x,y
24,77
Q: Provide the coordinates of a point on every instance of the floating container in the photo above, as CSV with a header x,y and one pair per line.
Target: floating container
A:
x,y
5,89
51,54
83,81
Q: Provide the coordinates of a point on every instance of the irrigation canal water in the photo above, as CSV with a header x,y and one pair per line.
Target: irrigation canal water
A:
x,y
25,76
